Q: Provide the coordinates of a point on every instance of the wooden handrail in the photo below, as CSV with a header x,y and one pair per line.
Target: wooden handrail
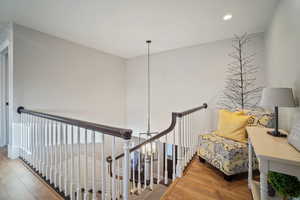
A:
x,y
163,133
108,130
187,112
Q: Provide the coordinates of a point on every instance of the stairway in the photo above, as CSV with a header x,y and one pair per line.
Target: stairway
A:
x,y
83,160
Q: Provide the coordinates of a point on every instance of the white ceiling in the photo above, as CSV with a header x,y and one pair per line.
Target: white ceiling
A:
x,y
120,27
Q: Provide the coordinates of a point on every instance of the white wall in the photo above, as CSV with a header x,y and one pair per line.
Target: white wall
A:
x,y
182,79
4,31
283,53
57,76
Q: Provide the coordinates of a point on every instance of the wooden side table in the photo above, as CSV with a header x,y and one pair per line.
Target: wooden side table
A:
x,y
273,154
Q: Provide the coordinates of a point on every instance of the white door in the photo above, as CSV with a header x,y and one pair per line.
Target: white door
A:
x,y
4,98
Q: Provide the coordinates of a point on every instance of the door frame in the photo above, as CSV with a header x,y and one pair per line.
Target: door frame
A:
x,y
3,95
7,45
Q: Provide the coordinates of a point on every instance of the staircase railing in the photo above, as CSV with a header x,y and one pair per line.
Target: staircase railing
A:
x,y
70,154
181,136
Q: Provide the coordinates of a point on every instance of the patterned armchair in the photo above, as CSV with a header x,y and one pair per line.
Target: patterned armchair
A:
x,y
229,156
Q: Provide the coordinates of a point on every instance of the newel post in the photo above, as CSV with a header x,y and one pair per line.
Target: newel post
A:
x,y
126,169
126,164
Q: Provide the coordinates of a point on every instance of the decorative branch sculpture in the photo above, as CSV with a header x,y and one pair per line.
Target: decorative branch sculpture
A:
x,y
241,91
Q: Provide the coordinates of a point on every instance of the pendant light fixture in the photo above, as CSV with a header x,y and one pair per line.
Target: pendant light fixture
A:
x,y
149,148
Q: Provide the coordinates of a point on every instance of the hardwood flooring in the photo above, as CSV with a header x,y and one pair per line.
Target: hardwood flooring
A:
x,y
18,183
203,182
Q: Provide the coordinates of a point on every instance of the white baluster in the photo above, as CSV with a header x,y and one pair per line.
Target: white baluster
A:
x,y
103,172
34,142
139,172
133,172
195,140
23,143
22,146
60,158
40,133
94,166
182,144
166,160
21,138
47,151
36,145
179,152
173,155
24,132
55,156
72,164
126,170
192,135
119,179
43,147
28,131
188,138
113,168
66,161
86,192
78,165
151,167
51,151
191,138
40,144
158,161
184,141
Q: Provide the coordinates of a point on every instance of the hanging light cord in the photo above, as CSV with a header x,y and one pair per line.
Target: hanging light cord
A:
x,y
149,97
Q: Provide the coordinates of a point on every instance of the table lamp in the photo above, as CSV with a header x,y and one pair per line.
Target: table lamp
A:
x,y
277,97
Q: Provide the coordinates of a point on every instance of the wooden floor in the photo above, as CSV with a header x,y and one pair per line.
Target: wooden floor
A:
x,y
18,183
203,182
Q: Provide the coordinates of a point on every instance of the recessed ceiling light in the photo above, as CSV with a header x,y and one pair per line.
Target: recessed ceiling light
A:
x,y
227,17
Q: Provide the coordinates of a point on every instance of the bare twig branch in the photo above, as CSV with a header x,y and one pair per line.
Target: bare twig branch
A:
x,y
241,91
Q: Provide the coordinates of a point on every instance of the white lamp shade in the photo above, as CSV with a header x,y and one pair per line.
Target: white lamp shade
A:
x,y
281,97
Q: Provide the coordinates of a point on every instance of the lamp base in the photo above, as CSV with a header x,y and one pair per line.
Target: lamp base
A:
x,y
276,134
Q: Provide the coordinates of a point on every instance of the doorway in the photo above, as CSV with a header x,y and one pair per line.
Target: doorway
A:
x,y
4,107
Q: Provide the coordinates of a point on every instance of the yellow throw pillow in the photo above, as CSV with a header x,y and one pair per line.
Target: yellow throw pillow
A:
x,y
232,125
